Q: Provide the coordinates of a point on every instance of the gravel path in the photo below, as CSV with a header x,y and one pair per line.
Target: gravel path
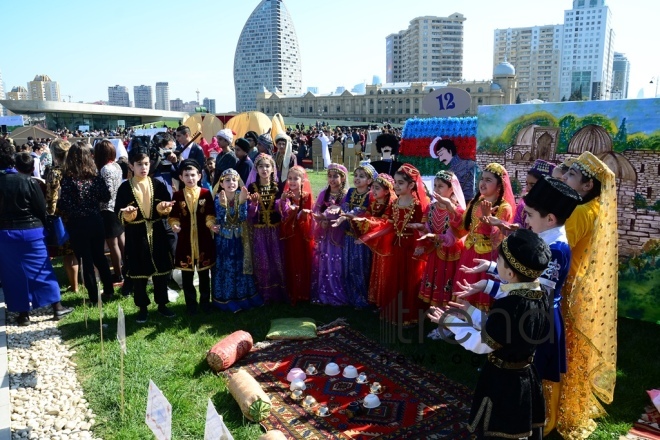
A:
x,y
46,398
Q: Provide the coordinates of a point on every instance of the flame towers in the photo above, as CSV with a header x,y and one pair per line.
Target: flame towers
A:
x,y
267,55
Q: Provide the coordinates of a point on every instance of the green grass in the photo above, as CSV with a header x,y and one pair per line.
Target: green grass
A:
x,y
172,354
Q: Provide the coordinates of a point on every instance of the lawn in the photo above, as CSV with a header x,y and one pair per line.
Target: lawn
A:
x,y
172,354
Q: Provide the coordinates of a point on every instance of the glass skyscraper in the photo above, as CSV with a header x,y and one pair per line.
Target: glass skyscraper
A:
x,y
267,55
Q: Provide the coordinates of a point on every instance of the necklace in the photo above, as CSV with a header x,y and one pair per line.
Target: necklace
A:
x,y
409,211
357,199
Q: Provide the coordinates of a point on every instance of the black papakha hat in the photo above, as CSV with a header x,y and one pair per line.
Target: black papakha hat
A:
x,y
526,253
553,196
387,140
187,164
243,144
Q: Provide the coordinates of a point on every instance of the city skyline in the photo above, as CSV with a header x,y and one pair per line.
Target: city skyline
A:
x,y
338,50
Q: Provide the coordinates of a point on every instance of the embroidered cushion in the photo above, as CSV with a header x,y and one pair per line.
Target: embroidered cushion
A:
x,y
292,328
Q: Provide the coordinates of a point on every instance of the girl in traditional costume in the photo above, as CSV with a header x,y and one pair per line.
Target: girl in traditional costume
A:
x,y
268,257
327,282
296,231
495,198
591,299
539,170
409,214
143,204
440,243
373,229
192,217
233,282
356,257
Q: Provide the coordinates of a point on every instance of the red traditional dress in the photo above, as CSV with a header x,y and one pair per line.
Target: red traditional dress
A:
x,y
296,233
482,239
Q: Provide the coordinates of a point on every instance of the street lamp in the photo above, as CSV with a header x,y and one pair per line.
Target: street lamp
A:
x,y
657,80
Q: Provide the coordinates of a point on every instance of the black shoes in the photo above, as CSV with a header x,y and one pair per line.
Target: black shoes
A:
x,y
163,310
59,311
23,319
142,315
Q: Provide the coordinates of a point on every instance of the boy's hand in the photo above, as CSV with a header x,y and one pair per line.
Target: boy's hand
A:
x,y
482,266
468,289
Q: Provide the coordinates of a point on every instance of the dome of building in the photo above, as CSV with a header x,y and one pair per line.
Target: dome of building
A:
x,y
44,78
495,86
593,138
504,68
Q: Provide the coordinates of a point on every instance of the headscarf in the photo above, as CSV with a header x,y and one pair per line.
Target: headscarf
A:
x,y
282,158
501,172
420,188
254,174
306,185
451,179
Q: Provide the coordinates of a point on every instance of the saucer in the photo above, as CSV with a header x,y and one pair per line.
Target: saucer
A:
x,y
302,396
376,392
328,414
362,382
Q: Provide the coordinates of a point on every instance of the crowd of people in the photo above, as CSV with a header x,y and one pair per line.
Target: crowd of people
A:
x,y
242,214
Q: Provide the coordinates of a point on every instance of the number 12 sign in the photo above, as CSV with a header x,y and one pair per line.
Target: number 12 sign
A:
x,y
447,101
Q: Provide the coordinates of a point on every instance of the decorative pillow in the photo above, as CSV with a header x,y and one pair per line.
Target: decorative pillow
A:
x,y
228,350
253,401
292,328
273,435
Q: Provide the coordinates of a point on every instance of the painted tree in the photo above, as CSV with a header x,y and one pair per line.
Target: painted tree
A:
x,y
621,138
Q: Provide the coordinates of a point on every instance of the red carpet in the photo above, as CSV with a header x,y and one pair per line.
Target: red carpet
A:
x,y
415,403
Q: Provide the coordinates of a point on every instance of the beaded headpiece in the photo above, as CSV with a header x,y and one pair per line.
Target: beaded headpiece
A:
x,y
409,170
496,169
590,166
367,168
263,156
339,168
444,175
230,172
542,167
385,180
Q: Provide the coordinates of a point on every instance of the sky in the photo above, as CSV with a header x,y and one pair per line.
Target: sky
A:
x,y
87,46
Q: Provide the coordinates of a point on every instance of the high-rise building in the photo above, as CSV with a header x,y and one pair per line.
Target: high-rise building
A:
x,y
143,96
162,96
176,105
42,88
2,94
620,76
535,52
587,51
118,95
314,90
431,49
267,55
209,104
18,93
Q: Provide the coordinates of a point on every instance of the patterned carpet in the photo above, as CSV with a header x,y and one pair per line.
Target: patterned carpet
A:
x,y
415,403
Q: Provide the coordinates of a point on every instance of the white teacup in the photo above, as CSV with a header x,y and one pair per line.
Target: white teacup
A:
x,y
371,401
362,378
311,369
298,385
296,374
332,369
375,387
350,372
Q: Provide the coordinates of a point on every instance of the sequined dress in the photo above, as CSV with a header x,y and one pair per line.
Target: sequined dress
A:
x,y
356,258
267,254
233,283
327,283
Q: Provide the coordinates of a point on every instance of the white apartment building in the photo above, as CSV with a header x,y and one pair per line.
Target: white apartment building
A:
x,y
431,49
535,52
162,96
2,94
267,55
42,88
587,51
118,95
143,97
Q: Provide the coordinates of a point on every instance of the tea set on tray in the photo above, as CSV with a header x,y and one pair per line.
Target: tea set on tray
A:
x,y
297,376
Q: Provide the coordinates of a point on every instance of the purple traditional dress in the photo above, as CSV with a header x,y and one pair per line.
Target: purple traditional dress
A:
x,y
327,282
268,255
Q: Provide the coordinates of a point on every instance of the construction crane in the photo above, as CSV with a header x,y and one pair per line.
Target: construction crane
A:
x,y
197,91
69,96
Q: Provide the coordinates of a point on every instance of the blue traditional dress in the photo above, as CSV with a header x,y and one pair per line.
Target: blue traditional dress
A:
x,y
356,258
233,283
